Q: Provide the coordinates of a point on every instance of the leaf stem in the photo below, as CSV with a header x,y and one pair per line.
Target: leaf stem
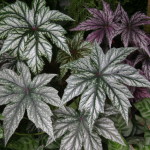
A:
x,y
39,133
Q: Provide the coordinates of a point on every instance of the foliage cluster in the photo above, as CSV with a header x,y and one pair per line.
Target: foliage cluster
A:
x,y
74,91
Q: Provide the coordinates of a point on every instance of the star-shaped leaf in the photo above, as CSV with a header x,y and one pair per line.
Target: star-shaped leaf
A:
x,y
102,74
78,49
131,32
74,126
102,23
20,93
26,31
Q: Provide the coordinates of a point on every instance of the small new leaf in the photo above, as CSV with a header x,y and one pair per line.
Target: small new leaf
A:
x,y
78,49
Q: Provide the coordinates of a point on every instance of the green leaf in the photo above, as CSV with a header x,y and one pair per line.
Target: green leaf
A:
x,y
144,107
26,31
140,120
19,92
37,46
100,75
115,146
1,117
24,143
146,148
147,137
138,143
121,125
1,132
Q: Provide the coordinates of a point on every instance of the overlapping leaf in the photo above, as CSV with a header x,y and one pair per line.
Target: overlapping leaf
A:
x,y
26,30
20,93
144,107
99,75
140,92
8,61
120,124
144,58
74,126
78,49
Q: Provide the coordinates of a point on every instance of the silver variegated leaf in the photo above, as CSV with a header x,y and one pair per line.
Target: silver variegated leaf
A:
x,y
19,92
40,114
60,128
78,49
49,95
93,100
9,61
37,46
13,114
41,80
92,142
110,110
67,121
26,30
102,74
15,41
73,127
55,15
72,141
106,128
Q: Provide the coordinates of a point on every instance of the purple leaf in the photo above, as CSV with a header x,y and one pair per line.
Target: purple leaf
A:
x,y
104,22
97,35
146,68
130,31
144,58
139,92
117,13
90,24
139,19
